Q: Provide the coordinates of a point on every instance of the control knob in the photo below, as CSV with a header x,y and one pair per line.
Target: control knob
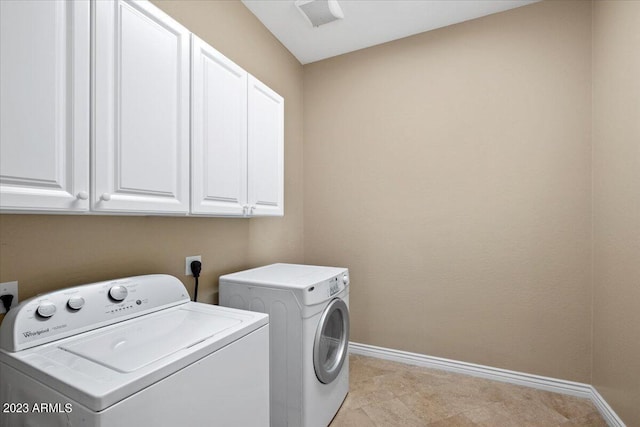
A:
x,y
345,278
118,293
46,309
75,303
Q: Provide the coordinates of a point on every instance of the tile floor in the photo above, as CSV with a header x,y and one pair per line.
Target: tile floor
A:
x,y
385,393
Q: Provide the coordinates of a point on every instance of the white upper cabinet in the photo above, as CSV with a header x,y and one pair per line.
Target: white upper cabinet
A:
x,y
265,150
218,133
113,107
237,138
44,106
140,110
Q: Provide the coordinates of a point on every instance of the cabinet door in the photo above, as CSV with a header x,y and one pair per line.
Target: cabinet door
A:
x,y
265,150
44,106
218,133
141,110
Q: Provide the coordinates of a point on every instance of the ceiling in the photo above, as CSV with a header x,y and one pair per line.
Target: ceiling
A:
x,y
366,22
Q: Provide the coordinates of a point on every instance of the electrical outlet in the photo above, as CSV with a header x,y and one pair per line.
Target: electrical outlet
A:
x,y
9,288
187,263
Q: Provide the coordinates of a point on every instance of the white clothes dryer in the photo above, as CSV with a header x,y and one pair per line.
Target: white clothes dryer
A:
x,y
308,309
132,352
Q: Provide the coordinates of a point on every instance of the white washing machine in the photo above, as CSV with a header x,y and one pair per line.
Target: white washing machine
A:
x,y
308,309
132,352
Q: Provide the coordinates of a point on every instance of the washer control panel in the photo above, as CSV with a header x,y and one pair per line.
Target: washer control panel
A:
x,y
327,289
59,314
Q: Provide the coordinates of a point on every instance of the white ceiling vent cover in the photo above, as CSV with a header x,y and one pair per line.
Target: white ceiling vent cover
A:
x,y
320,12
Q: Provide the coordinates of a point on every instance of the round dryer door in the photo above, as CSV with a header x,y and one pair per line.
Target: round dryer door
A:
x,y
332,340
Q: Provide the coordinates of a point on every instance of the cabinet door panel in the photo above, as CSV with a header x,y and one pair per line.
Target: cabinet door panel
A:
x,y
219,133
44,82
141,88
265,150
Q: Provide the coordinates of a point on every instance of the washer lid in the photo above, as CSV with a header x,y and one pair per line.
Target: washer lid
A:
x,y
130,347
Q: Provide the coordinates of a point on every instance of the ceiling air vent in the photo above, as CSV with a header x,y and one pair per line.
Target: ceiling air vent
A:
x,y
320,12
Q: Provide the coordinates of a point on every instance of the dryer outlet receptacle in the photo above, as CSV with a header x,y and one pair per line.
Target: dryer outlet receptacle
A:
x,y
9,288
188,261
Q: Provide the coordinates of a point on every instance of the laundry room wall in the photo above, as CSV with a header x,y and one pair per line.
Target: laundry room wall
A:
x,y
47,252
616,203
451,172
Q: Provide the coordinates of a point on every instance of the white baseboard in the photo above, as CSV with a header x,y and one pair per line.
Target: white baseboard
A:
x,y
513,377
609,415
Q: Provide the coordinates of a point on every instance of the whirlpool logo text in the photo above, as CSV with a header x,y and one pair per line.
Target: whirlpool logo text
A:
x,y
30,334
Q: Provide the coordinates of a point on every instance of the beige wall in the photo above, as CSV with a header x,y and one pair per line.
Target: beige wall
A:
x,y
46,252
616,184
450,171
